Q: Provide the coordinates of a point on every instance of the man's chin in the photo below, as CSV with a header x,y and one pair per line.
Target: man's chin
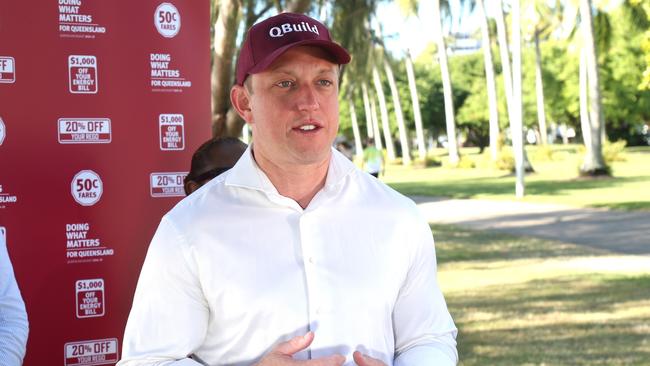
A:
x,y
311,157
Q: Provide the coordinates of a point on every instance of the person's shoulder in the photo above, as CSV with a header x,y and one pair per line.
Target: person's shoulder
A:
x,y
379,192
196,204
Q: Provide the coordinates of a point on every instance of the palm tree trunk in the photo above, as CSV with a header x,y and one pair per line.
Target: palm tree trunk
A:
x,y
584,107
366,106
397,105
355,128
516,122
419,133
375,124
594,163
539,87
491,83
502,38
388,139
298,6
225,36
452,141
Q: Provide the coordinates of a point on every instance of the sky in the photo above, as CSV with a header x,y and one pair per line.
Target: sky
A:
x,y
416,32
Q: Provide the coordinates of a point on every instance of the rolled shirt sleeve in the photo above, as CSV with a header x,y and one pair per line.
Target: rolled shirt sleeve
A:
x,y
169,315
425,333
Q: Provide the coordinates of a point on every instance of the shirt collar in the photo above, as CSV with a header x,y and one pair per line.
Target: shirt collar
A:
x,y
247,174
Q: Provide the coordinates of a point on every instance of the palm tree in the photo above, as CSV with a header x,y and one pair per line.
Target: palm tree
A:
x,y
542,21
502,38
375,124
388,139
410,6
585,125
516,121
452,141
397,105
491,83
514,111
297,6
355,126
539,91
366,106
228,16
354,35
422,151
593,164
225,36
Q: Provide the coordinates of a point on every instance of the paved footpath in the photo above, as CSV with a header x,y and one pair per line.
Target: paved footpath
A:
x,y
618,231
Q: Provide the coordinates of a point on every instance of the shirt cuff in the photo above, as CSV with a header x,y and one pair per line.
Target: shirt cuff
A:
x,y
427,355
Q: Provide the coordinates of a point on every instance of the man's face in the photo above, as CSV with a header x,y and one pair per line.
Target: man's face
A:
x,y
294,108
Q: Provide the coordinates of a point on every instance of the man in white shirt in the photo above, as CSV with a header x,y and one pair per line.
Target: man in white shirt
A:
x,y
294,256
13,317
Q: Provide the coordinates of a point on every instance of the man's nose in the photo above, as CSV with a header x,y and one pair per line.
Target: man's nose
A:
x,y
307,99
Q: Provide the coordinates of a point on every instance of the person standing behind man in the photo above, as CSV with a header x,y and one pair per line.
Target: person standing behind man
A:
x,y
294,256
373,161
212,158
14,326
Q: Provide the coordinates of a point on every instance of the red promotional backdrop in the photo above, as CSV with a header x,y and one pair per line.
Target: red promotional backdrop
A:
x,y
101,105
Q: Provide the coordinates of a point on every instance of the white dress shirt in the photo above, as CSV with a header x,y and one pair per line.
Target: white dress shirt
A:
x,y
13,317
235,268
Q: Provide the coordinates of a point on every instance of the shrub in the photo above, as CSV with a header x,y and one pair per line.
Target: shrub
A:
x,y
505,160
465,162
544,153
614,151
432,161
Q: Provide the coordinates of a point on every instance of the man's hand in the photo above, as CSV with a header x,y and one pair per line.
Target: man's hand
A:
x,y
283,353
365,360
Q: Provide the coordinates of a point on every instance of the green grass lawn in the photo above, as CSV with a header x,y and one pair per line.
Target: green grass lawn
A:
x,y
525,301
554,181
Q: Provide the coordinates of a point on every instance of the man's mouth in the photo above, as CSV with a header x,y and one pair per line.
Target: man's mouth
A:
x,y
307,127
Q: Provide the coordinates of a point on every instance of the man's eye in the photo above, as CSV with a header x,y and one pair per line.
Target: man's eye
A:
x,y
285,84
325,82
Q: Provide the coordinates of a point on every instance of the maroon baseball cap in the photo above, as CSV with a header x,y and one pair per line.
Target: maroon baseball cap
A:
x,y
267,40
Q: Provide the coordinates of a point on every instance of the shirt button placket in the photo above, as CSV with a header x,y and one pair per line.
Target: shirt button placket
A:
x,y
310,263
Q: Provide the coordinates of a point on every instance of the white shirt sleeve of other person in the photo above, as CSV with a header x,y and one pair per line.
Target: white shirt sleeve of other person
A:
x,y
14,327
236,268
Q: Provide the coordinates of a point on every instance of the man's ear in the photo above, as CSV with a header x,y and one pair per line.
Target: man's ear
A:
x,y
191,186
241,101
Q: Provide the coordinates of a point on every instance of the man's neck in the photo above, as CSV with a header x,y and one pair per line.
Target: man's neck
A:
x,y
297,181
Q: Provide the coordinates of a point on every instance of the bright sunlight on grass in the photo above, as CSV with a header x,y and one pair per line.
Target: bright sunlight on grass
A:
x,y
555,180
525,301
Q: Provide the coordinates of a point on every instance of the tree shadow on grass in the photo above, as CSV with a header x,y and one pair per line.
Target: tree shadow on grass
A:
x,y
472,187
457,244
611,344
554,187
616,231
573,320
571,294
625,206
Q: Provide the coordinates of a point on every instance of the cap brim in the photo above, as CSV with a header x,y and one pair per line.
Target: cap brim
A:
x,y
339,55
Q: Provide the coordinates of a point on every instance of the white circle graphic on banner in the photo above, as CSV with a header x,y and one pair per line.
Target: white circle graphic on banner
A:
x,y
3,131
86,188
167,20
